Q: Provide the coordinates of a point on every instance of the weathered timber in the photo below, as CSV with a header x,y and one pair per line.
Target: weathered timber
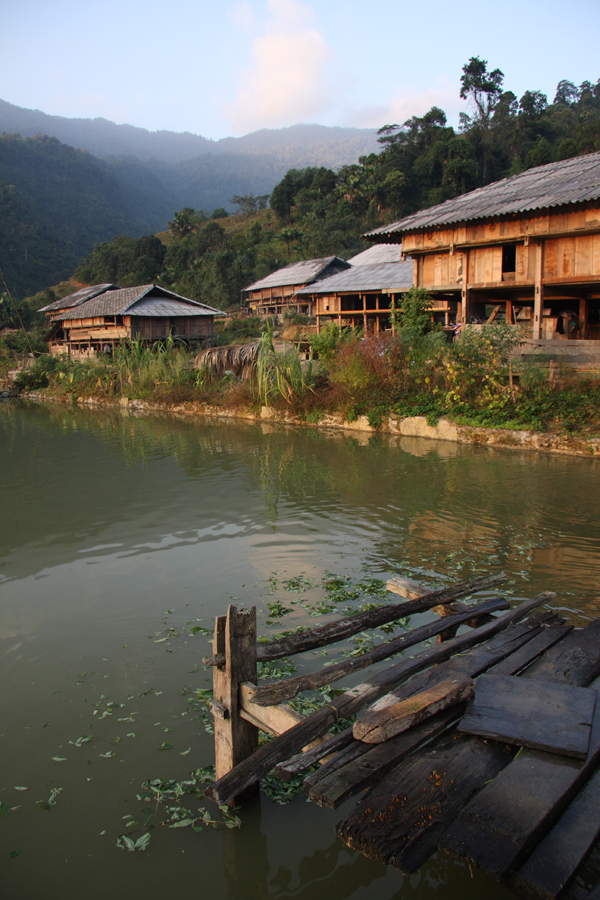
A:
x,y
346,775
414,845
452,609
373,762
269,694
594,894
331,744
532,713
399,820
351,702
301,642
500,827
551,634
274,720
540,627
554,862
377,727
235,739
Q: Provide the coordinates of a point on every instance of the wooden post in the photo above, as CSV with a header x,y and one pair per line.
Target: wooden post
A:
x,y
464,293
538,292
583,318
235,738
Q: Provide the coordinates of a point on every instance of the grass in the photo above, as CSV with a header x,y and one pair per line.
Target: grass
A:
x,y
376,376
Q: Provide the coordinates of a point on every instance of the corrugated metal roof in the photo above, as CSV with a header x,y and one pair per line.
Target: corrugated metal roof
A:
x,y
396,276
117,303
556,184
379,253
79,297
303,272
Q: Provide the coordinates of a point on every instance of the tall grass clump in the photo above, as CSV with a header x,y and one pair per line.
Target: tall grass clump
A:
x,y
281,374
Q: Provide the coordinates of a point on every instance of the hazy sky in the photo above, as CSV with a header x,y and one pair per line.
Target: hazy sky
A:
x,y
230,67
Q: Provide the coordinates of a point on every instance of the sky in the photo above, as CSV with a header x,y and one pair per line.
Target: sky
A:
x,y
233,66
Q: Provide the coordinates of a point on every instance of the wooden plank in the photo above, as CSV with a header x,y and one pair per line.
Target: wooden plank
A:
x,y
554,862
512,814
516,662
502,647
235,739
331,744
344,776
273,719
348,763
540,715
342,628
352,701
415,844
278,692
518,646
377,727
399,820
334,787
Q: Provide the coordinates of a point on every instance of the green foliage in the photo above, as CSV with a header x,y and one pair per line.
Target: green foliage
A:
x,y
281,374
124,261
413,315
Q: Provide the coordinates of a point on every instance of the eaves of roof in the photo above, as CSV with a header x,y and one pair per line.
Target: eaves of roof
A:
x,y
570,181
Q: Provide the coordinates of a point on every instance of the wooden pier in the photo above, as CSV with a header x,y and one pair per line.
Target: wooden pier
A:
x,y
511,786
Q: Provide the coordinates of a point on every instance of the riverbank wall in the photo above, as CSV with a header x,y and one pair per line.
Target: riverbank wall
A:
x,y
411,426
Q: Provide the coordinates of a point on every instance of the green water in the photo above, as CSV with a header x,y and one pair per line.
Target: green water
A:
x,y
114,529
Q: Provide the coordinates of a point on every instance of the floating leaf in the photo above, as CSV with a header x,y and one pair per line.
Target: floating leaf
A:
x,y
14,853
185,752
19,787
59,758
108,754
166,746
182,823
143,841
4,809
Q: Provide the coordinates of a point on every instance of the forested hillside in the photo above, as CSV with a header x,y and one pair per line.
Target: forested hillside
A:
x,y
64,201
318,212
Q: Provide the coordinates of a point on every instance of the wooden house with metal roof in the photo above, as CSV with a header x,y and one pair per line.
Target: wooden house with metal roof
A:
x,y
278,292
76,299
524,249
149,312
361,296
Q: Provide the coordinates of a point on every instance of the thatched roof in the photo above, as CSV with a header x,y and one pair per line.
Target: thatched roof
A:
x,y
236,358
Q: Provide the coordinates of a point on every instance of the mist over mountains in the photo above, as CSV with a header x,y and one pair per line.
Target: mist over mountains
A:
x,y
298,145
66,184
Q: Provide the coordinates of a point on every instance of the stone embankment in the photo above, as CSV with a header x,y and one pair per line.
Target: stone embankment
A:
x,y
410,427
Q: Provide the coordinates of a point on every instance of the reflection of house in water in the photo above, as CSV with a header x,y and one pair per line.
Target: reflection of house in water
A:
x,y
362,295
94,319
279,292
525,249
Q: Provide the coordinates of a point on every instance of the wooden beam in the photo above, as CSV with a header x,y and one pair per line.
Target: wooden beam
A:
x,y
377,727
339,630
269,694
318,723
235,739
538,292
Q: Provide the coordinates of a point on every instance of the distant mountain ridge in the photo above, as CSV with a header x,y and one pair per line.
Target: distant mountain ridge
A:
x,y
298,145
67,184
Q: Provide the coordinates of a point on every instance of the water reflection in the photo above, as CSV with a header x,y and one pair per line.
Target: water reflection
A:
x,y
109,521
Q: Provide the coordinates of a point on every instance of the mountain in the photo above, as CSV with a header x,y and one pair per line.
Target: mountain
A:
x,y
299,145
67,184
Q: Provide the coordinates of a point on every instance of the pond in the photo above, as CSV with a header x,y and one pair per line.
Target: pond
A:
x,y
122,537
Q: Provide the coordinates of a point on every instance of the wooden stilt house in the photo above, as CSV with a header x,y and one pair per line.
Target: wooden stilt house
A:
x,y
279,292
95,324
524,250
362,295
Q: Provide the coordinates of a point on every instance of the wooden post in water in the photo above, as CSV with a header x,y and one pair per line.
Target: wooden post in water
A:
x,y
235,738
